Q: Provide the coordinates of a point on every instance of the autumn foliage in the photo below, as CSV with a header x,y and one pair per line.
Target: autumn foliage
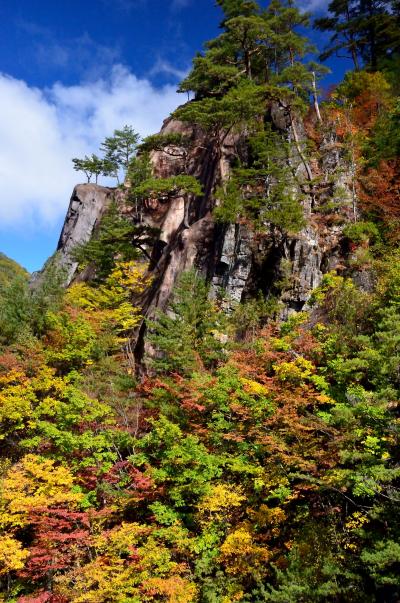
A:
x,y
251,458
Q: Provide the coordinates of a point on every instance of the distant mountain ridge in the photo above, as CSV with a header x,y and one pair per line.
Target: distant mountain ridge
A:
x,y
9,269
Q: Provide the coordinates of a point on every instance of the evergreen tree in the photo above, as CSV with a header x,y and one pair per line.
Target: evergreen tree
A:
x,y
120,148
240,107
46,295
24,309
367,30
118,152
90,166
168,187
262,190
14,309
257,44
116,239
257,60
238,8
342,21
188,335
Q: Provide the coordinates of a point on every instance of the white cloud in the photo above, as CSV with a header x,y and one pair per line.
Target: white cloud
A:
x,y
41,130
314,6
164,67
129,5
178,4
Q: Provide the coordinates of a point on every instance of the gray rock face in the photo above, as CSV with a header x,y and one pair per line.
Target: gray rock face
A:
x,y
233,258
86,208
234,264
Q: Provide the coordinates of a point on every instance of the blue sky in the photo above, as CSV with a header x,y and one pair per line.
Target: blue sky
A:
x,y
71,71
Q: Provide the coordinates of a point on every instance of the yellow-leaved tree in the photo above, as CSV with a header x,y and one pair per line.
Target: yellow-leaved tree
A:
x,y
32,483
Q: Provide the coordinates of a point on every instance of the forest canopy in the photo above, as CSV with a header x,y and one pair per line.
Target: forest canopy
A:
x,y
253,454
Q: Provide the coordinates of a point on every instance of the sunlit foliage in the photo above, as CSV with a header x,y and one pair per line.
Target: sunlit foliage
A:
x,y
250,459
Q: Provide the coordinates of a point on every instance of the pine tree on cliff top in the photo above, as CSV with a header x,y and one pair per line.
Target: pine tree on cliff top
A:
x,y
365,30
258,59
262,45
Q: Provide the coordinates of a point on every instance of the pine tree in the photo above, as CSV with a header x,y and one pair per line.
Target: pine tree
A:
x,y
238,8
121,147
262,190
14,309
241,107
116,239
365,30
257,60
24,309
90,166
343,22
188,334
256,44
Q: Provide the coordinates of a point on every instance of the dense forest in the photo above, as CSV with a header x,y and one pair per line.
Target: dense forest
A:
x,y
253,453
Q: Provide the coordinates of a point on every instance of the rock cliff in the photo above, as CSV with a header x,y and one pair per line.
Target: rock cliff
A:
x,y
86,208
232,257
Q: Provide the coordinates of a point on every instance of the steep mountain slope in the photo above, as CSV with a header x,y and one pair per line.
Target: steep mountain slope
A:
x,y
237,261
9,269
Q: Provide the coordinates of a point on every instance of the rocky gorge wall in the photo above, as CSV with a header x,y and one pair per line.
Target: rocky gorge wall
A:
x,y
87,206
232,257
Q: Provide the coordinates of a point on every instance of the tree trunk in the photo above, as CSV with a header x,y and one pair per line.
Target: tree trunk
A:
x,y
315,96
299,149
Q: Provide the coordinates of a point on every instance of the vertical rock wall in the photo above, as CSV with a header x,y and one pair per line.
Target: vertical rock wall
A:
x,y
233,258
86,208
